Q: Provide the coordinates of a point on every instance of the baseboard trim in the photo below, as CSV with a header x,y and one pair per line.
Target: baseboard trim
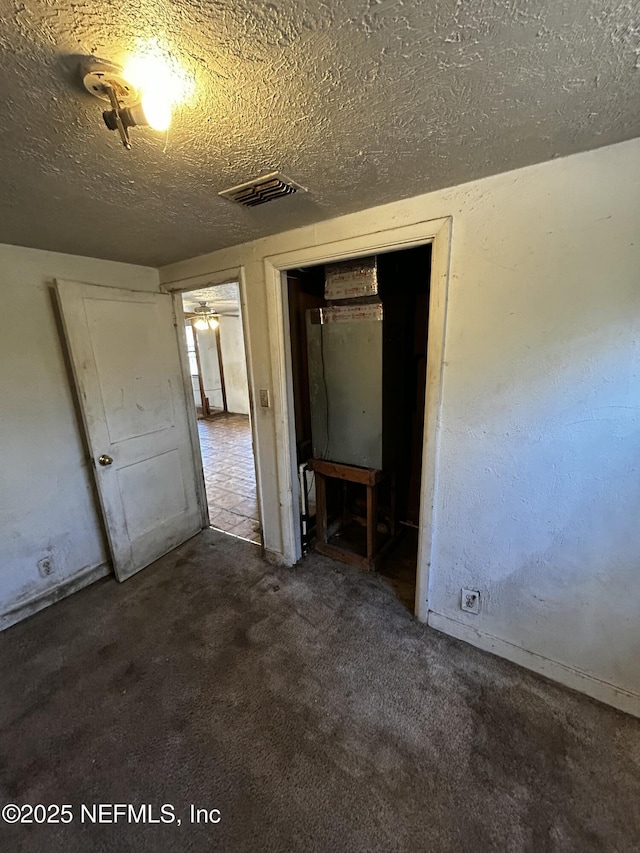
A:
x,y
603,691
24,609
275,558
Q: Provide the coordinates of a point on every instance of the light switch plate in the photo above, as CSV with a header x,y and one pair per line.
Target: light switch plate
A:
x,y
264,398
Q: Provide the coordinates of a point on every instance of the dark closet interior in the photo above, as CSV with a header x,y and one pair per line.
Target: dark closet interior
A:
x,y
403,289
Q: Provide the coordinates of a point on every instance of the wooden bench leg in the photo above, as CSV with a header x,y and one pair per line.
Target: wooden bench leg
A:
x,y
394,506
345,510
372,523
321,508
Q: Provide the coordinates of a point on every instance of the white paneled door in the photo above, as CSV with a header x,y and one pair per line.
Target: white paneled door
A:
x,y
124,355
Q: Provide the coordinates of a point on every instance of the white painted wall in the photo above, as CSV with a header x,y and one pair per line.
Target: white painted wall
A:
x,y
234,364
537,489
210,368
46,499
195,387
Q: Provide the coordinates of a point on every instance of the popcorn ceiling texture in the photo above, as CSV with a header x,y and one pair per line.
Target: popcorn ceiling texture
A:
x,y
362,102
220,293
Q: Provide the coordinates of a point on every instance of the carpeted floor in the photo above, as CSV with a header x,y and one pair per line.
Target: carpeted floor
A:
x,y
309,708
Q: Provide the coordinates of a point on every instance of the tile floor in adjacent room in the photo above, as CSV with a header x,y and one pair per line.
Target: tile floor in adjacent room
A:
x,y
229,472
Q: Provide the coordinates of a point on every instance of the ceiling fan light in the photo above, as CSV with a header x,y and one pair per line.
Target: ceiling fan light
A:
x,y
201,324
213,323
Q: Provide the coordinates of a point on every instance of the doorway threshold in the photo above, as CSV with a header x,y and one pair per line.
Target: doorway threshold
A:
x,y
235,535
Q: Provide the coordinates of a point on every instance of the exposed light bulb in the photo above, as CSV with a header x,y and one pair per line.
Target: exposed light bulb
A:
x,y
157,111
146,91
154,69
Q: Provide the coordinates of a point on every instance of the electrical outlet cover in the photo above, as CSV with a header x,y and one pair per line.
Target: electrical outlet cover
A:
x,y
470,600
46,567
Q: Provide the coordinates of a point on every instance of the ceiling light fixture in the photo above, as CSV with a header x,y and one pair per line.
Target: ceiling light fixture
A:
x,y
144,92
206,318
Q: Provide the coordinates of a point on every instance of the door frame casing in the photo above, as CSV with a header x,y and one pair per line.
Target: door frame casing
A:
x,y
176,290
436,232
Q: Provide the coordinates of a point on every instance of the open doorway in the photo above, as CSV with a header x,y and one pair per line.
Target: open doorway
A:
x,y
218,369
358,334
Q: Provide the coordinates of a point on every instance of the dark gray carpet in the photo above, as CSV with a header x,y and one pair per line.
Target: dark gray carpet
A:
x,y
307,706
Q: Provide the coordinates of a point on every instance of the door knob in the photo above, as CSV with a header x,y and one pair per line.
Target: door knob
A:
x,y
105,459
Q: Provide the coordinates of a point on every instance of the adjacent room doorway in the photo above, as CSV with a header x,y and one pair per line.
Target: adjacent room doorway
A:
x,y
220,395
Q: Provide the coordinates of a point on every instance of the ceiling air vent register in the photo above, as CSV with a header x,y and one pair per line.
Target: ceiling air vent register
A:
x,y
263,189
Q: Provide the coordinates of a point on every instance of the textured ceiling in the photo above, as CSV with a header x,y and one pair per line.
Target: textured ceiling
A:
x,y
361,101
223,298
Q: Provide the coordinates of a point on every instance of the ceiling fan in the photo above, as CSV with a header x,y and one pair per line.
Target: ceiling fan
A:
x,y
204,317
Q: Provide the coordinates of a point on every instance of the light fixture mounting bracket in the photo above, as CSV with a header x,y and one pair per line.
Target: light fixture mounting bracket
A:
x,y
99,77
